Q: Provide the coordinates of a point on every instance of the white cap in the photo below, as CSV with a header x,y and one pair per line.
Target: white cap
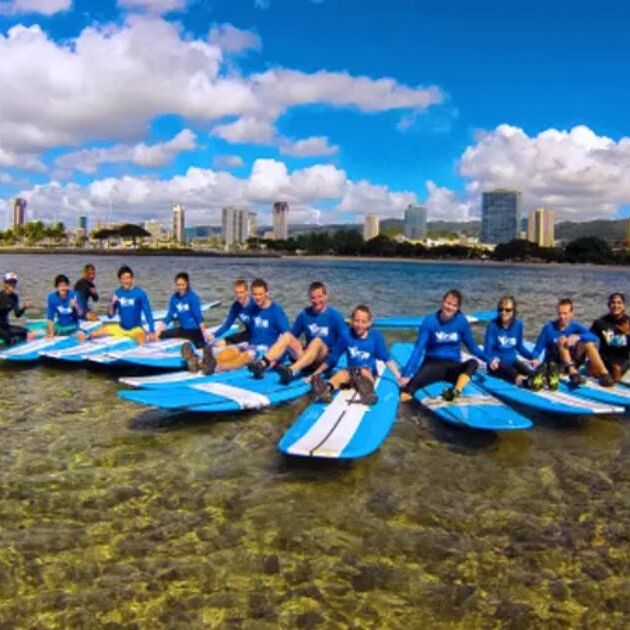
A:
x,y
10,276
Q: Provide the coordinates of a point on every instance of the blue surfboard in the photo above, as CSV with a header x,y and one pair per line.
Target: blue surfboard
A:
x,y
345,428
30,351
406,321
592,390
81,351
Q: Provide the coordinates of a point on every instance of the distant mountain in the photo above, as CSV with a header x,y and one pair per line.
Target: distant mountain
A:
x,y
611,231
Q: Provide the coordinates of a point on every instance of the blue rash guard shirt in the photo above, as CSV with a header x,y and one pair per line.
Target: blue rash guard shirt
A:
x,y
328,325
267,325
550,333
237,312
362,352
442,340
187,309
61,310
130,306
504,343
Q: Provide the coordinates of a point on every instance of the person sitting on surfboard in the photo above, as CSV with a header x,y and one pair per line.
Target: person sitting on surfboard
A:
x,y
131,303
63,311
568,343
362,346
613,332
322,326
504,339
239,312
9,301
184,305
439,340
86,291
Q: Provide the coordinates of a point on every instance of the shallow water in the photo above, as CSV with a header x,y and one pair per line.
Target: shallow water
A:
x,y
115,516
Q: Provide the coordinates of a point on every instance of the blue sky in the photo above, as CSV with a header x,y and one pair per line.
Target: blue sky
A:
x,y
480,94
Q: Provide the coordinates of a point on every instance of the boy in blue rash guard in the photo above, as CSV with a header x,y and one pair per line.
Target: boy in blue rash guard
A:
x,y
439,340
362,346
63,311
184,305
130,302
567,342
504,339
322,327
239,312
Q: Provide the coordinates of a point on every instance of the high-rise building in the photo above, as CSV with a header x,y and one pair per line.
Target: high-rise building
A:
x,y
235,225
280,220
83,223
252,225
500,215
371,227
154,228
627,232
179,223
540,227
416,223
19,212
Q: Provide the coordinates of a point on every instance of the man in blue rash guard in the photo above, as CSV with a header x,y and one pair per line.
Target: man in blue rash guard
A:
x,y
184,305
63,311
239,312
322,327
130,302
568,342
504,339
362,346
439,340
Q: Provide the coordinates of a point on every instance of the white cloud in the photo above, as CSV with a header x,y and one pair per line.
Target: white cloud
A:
x,y
88,160
45,7
308,147
156,7
5,178
445,204
247,130
231,39
364,198
227,161
26,161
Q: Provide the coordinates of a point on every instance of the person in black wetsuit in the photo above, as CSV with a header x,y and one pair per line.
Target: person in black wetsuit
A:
x,y
86,290
613,332
9,301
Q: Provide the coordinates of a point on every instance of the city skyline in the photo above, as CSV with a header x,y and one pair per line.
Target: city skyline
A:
x,y
237,106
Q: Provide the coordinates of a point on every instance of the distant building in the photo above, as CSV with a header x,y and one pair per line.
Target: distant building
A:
x,y
235,225
540,227
416,223
179,224
371,227
252,225
500,216
154,228
19,212
280,220
83,223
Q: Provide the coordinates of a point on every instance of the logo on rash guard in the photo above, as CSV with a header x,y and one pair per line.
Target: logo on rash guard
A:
x,y
125,301
244,317
361,355
64,310
612,339
318,331
444,337
506,342
182,307
259,322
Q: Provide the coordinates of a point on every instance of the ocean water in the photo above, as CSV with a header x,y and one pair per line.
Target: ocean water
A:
x,y
119,517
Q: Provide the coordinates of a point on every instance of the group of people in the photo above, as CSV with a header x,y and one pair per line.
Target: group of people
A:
x,y
320,336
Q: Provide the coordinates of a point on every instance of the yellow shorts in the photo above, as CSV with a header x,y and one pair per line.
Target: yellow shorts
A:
x,y
115,330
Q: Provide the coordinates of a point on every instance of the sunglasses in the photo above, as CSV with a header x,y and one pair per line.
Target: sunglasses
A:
x,y
505,310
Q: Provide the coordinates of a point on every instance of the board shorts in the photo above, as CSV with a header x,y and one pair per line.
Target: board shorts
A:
x,y
116,330
434,370
65,331
510,371
193,335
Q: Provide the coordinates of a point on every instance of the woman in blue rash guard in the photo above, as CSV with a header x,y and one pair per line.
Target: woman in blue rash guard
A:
x,y
436,355
63,311
503,345
184,305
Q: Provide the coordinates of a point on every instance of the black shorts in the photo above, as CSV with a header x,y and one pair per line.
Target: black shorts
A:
x,y
434,370
195,335
13,335
509,371
240,337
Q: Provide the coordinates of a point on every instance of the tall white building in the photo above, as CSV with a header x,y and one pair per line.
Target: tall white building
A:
x,y
179,223
540,227
371,227
415,223
19,212
154,228
236,226
280,220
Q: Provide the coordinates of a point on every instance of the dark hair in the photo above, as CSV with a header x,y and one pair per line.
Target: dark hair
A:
x,y
502,300
259,283
616,294
124,269
566,302
240,283
363,308
182,275
456,294
315,286
61,278
89,267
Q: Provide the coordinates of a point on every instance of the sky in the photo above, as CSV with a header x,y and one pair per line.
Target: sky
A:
x,y
118,109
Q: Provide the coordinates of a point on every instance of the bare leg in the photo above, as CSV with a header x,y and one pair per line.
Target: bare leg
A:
x,y
233,362
315,352
564,353
285,342
594,359
340,378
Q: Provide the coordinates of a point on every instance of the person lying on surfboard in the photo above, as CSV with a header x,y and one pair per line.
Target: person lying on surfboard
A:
x,y
362,346
9,301
504,342
613,332
439,341
322,327
63,311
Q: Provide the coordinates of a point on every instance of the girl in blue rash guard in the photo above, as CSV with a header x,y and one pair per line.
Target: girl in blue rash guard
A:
x,y
63,311
362,347
439,341
184,305
504,339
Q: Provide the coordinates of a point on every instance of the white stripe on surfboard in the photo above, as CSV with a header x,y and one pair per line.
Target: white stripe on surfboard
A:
x,y
334,429
580,403
97,345
479,400
591,383
31,346
177,377
244,397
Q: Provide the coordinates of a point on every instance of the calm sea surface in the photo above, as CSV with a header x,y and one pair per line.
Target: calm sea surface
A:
x,y
118,517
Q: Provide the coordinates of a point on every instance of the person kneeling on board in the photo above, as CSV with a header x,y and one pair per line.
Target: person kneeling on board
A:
x,y
63,311
322,326
362,346
439,339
